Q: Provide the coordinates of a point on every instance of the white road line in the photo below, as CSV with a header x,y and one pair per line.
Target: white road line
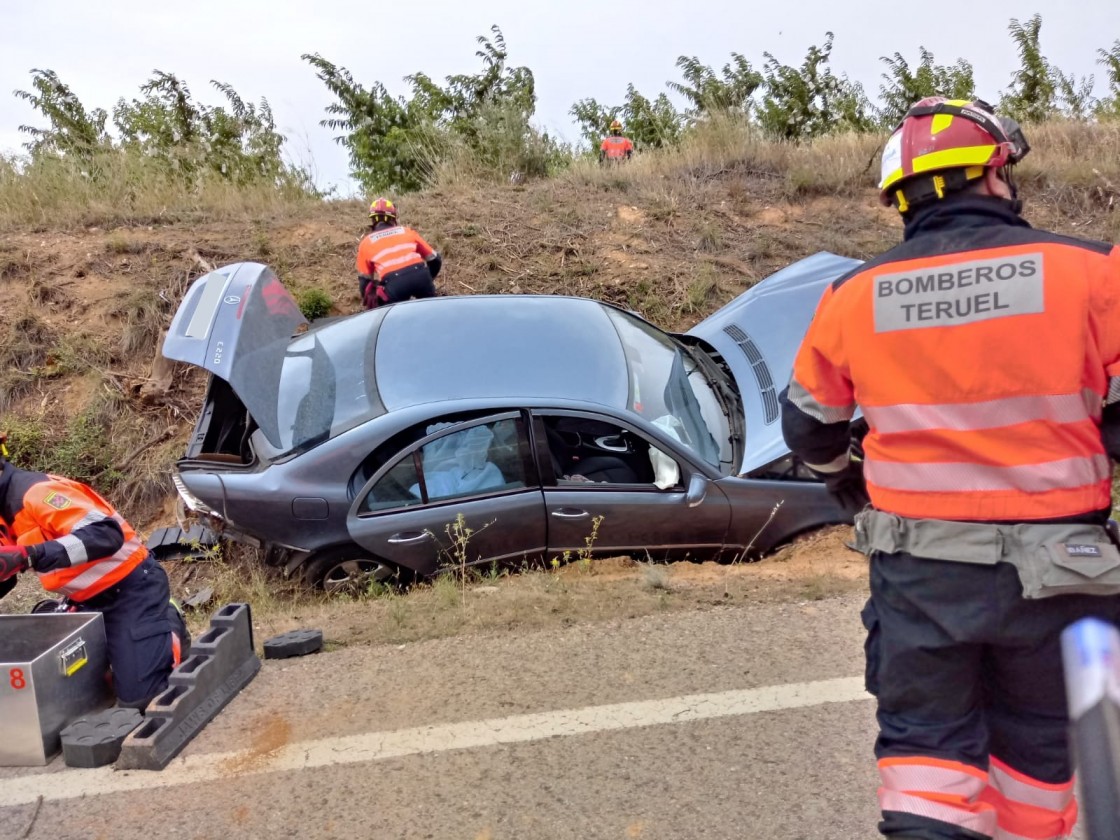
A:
x,y
379,746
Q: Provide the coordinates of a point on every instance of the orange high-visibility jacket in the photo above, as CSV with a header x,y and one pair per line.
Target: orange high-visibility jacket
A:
x,y
384,251
616,147
58,509
982,372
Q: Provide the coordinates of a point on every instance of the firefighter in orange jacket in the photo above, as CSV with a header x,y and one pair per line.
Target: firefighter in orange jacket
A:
x,y
394,262
615,148
82,549
985,357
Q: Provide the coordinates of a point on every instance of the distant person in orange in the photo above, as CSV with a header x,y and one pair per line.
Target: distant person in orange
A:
x,y
615,148
394,262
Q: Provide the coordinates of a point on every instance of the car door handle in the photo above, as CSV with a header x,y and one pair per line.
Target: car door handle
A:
x,y
570,513
406,537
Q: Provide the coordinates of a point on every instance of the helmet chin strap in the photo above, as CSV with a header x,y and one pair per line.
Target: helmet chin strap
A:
x,y
1016,201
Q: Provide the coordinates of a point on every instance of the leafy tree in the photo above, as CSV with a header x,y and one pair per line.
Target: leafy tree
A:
x,y
708,93
383,134
394,141
1109,106
238,141
1075,96
1040,91
73,130
1033,95
808,101
650,124
903,85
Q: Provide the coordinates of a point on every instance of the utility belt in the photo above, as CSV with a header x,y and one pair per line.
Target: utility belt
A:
x,y
1051,559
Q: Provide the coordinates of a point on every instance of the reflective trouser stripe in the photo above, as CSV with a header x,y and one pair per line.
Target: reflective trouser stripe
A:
x,y
947,791
1027,808
990,414
974,816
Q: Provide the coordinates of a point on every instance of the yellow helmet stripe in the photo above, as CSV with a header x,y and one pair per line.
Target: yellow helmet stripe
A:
x,y
894,177
940,123
947,158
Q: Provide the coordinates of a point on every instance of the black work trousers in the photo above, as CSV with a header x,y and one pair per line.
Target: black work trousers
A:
x,y
415,281
139,627
966,670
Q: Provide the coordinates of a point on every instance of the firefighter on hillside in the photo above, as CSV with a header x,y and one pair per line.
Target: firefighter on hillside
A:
x,y
615,148
985,357
394,262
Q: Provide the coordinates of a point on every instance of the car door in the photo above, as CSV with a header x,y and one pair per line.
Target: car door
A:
x,y
615,506
464,493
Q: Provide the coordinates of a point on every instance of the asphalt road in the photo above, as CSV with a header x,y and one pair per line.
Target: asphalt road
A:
x,y
731,723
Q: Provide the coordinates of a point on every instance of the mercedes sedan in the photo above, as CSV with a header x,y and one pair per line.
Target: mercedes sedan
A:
x,y
499,429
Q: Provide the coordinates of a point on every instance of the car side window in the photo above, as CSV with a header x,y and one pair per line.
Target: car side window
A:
x,y
478,460
393,490
585,451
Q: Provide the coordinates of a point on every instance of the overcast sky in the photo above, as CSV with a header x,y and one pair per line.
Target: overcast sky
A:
x,y
576,48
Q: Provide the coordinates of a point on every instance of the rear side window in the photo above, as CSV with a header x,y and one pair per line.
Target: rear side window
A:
x,y
478,460
395,488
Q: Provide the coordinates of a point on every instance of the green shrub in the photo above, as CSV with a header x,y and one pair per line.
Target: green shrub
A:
x,y
314,303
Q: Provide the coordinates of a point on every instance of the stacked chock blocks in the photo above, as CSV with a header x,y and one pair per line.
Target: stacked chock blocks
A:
x,y
220,664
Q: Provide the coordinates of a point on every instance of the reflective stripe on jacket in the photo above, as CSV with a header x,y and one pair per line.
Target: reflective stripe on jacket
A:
x,y
981,352
58,509
391,249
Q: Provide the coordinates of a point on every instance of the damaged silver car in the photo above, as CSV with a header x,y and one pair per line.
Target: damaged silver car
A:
x,y
492,428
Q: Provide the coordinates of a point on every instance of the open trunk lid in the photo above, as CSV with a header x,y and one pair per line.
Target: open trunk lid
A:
x,y
236,322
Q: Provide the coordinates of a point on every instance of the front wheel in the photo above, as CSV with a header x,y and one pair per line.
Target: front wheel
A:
x,y
348,570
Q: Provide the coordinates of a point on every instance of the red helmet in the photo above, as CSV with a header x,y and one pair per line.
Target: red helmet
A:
x,y
382,210
941,144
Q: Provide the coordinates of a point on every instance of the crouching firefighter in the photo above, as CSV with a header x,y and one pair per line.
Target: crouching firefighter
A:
x,y
394,262
83,550
985,357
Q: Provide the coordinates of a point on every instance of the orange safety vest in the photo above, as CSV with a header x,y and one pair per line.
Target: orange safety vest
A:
x,y
616,147
53,510
384,251
982,375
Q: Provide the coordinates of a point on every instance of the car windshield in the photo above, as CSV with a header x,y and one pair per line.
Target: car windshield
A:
x,y
670,389
326,384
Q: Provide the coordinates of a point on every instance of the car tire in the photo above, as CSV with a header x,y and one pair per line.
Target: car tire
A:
x,y
347,570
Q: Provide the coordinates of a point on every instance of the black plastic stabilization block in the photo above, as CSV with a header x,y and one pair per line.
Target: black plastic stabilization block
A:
x,y
222,662
95,740
174,541
293,643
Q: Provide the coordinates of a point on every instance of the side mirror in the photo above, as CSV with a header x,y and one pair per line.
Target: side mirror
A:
x,y
697,490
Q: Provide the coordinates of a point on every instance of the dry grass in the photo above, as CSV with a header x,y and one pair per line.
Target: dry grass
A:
x,y
600,590
130,190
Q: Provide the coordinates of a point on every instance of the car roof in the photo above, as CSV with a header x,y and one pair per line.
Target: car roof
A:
x,y
537,347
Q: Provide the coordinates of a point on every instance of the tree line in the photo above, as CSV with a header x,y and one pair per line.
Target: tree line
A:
x,y
399,142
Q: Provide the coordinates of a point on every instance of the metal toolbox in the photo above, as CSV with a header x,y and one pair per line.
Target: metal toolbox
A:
x,y
52,670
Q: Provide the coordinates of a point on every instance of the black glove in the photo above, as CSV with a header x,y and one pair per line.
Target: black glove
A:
x,y
848,487
13,560
8,585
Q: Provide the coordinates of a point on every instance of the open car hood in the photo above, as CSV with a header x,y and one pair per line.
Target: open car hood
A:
x,y
758,334
236,322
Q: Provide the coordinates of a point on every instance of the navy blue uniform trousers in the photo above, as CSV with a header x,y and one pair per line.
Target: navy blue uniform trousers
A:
x,y
138,627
